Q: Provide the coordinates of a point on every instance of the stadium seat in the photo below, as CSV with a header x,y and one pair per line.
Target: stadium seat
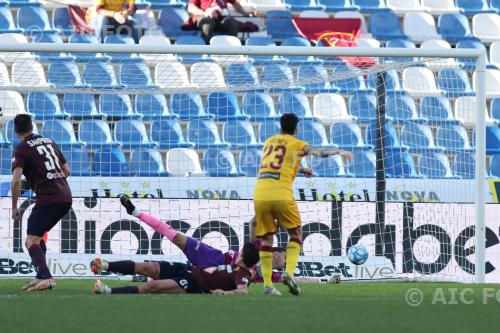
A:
x,y
404,6
117,107
160,4
64,74
204,134
436,110
385,25
23,3
362,165
187,106
437,64
420,26
3,142
370,6
219,163
492,140
96,134
486,27
136,75
492,82
420,81
495,54
171,20
316,13
224,106
418,137
152,106
53,38
263,6
44,106
258,106
363,107
249,161
191,58
330,108
34,19
240,134
351,80
494,108
262,41
132,134
78,160
147,163
465,111
454,27
207,75
438,7
35,78
121,39
495,5
298,41
85,39
267,129
399,165
61,20
111,163
454,82
168,133
473,7
279,78
400,107
279,24
81,106
183,162
12,57
464,165
98,74
355,14
7,21
368,42
400,43
331,166
453,138
302,5
337,5
11,103
470,63
295,103
313,132
391,136
347,136
61,131
494,170
224,41
314,78
4,75
155,39
171,75
242,76
391,82
434,166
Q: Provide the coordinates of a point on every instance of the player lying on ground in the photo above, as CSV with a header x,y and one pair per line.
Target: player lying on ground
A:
x,y
175,278
274,201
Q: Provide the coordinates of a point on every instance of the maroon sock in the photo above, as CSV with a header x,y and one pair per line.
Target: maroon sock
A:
x,y
125,290
44,249
125,267
38,260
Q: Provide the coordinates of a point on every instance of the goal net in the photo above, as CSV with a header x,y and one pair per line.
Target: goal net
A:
x,y
181,132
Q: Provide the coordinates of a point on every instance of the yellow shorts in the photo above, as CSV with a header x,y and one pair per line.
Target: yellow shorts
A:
x,y
271,213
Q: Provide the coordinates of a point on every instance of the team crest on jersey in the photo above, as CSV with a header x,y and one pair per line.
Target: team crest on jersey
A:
x,y
245,280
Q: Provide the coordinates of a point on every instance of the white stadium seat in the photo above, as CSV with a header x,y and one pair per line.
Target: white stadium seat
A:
x,y
262,6
171,75
11,57
439,63
465,111
420,81
358,15
314,14
404,6
156,39
183,162
368,42
420,27
486,27
438,7
330,108
28,73
492,82
224,40
495,53
207,75
4,75
11,103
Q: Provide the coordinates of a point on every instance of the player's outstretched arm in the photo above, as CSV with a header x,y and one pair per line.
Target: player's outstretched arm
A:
x,y
15,189
326,151
240,290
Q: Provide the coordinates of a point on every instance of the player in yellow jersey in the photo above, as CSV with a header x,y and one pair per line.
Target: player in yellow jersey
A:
x,y
273,197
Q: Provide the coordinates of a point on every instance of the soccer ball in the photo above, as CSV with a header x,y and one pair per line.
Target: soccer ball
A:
x,y
357,254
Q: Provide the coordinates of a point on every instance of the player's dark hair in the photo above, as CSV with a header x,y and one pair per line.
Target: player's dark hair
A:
x,y
23,124
250,254
278,249
288,123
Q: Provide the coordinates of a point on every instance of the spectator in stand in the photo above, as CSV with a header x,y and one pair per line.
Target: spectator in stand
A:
x,y
213,15
111,17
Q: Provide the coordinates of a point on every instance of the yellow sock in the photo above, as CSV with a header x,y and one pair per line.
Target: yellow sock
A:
x,y
292,255
266,265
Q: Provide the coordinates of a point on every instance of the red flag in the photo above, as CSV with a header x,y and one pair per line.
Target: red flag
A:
x,y
79,19
334,32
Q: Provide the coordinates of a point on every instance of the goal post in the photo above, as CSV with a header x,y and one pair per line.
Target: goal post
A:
x,y
208,185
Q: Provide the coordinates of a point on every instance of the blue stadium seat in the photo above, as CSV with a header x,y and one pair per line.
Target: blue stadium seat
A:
x,y
117,106
315,79
313,132
492,140
78,160
152,106
464,165
385,26
258,106
331,166
64,74
363,164
187,106
224,106
370,6
171,20
219,163
454,27
348,136
136,75
147,163
3,141
191,40
264,59
44,106
168,133
391,136
495,108
11,137
363,107
238,75
392,82
100,74
418,137
495,5
7,21
300,5
240,134
96,134
337,5
268,128
23,3
132,134
400,165
34,19
53,38
434,166
454,82
6,161
204,134
470,63
400,43
279,78
348,85
121,57
111,163
81,106
296,103
62,21
249,162
302,42
453,137
279,24
85,39
160,4
473,7
61,131
400,107
495,166
436,110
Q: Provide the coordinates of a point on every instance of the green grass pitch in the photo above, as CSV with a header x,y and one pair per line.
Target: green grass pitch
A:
x,y
348,307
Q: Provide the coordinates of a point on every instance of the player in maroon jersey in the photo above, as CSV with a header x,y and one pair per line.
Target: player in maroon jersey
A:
x,y
45,169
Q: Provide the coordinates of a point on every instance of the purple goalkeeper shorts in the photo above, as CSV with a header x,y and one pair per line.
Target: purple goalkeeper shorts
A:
x,y
201,255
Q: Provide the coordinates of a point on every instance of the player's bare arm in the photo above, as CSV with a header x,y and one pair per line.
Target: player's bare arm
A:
x,y
240,290
16,191
326,151
66,170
